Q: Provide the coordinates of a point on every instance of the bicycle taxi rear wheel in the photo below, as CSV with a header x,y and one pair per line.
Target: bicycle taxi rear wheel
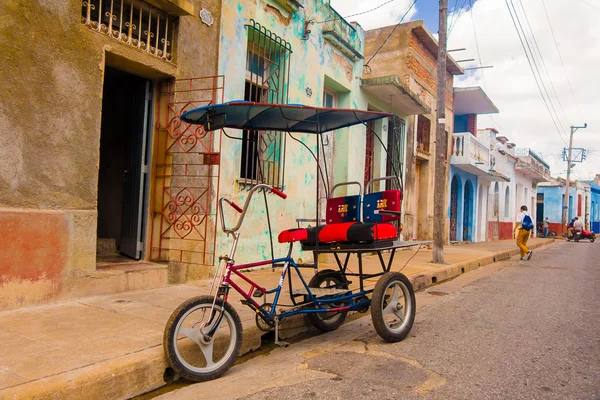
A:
x,y
328,321
200,345
393,306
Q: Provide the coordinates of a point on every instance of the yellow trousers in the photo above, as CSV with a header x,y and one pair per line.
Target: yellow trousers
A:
x,y
522,237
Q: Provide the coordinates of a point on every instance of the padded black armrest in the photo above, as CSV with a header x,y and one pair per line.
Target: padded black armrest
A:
x,y
387,212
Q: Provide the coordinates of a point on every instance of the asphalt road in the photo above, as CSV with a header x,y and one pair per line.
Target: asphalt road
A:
x,y
519,330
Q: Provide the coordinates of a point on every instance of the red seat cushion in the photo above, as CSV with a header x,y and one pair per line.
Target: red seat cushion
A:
x,y
357,232
292,235
335,232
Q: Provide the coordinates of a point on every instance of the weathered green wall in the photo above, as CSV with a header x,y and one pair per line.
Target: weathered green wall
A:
x,y
315,63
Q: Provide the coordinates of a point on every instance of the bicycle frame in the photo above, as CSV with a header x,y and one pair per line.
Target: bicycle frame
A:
x,y
269,315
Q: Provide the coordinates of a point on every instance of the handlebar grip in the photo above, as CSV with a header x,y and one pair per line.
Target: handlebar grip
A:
x,y
236,207
279,193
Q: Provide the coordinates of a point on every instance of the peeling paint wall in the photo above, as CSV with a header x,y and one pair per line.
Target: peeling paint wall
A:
x,y
50,118
314,64
406,56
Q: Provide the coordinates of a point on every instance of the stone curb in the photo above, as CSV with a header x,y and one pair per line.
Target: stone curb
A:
x,y
137,373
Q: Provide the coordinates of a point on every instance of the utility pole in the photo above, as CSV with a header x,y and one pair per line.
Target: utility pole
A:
x,y
569,154
441,145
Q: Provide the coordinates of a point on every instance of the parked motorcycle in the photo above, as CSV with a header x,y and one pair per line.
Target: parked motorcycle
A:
x,y
581,234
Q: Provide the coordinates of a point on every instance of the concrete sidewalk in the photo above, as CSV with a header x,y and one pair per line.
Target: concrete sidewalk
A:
x,y
110,347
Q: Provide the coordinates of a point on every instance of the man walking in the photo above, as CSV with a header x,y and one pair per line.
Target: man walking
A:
x,y
546,226
523,230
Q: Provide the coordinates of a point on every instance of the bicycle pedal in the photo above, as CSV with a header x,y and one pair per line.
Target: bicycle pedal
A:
x,y
258,293
245,302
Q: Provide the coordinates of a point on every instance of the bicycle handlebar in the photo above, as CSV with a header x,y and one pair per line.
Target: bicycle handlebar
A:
x,y
278,192
243,210
235,206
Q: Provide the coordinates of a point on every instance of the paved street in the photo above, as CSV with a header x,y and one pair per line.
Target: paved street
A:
x,y
510,330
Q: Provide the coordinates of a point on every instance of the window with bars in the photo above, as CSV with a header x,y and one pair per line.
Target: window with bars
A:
x,y
423,134
395,156
133,22
369,152
267,81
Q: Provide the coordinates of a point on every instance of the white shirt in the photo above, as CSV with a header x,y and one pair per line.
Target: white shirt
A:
x,y
578,224
520,216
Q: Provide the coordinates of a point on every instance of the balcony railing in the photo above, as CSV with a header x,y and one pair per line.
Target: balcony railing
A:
x,y
532,165
339,33
133,22
470,154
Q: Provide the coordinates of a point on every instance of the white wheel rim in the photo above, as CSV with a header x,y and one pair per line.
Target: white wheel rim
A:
x,y
399,306
206,348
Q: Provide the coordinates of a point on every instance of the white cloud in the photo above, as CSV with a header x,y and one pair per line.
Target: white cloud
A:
x,y
389,14
510,84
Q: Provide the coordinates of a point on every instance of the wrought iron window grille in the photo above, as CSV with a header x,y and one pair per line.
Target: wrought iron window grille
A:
x,y
133,22
267,81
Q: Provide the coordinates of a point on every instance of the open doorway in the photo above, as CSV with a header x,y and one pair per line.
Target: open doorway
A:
x,y
123,173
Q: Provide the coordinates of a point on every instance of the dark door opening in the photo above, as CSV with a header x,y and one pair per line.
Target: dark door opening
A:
x,y
467,212
453,209
123,176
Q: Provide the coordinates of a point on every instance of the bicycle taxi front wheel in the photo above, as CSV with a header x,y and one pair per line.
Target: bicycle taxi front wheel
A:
x,y
393,306
201,345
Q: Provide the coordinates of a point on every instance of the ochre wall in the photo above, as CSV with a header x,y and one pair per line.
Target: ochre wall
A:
x,y
406,56
50,116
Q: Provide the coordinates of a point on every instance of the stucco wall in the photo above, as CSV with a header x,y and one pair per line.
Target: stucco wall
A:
x,y
50,117
314,64
404,55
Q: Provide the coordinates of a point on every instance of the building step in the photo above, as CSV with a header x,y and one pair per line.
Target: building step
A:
x,y
106,246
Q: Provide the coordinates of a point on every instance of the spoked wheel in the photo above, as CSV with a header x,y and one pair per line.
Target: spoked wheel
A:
x,y
200,346
393,306
328,321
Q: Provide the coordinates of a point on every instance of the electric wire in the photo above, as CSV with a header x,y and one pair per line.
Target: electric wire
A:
x,y
455,20
591,5
535,66
479,57
545,68
561,59
554,115
357,14
391,33
521,39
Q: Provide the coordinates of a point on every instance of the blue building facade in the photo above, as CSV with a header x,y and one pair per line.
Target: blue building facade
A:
x,y
595,208
463,201
550,204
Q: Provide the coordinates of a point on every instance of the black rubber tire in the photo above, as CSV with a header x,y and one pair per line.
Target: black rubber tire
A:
x,y
592,239
169,342
327,322
378,305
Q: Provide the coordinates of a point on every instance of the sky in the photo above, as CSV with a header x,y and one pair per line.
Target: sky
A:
x,y
568,60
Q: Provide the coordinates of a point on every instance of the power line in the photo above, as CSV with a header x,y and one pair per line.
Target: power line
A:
x,y
545,68
456,16
479,55
561,59
591,5
522,39
535,65
391,33
354,15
